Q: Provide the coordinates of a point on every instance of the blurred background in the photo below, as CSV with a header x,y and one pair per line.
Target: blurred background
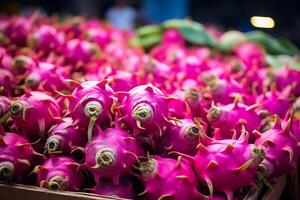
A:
x,y
225,15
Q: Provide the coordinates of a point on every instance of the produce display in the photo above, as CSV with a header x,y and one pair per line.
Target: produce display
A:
x,y
171,111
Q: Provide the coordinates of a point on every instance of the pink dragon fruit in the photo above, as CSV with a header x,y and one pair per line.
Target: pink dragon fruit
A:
x,y
172,36
47,77
183,136
168,54
169,178
98,35
224,91
46,38
4,106
270,101
34,113
156,71
231,117
92,102
7,83
5,58
60,173
285,77
65,135
280,147
111,153
80,51
22,65
122,81
107,188
18,29
16,157
227,165
145,109
251,55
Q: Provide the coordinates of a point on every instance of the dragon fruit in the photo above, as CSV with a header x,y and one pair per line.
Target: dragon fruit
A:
x,y
183,136
7,83
224,91
98,36
122,81
169,178
5,58
107,188
251,55
286,77
34,113
270,101
231,117
60,173
280,147
4,105
91,102
145,109
172,36
157,72
18,29
111,153
16,157
46,38
227,165
65,135
22,65
78,50
47,77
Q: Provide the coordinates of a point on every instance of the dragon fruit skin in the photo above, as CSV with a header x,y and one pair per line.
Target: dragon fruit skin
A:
x,y
64,135
280,147
17,30
34,113
59,173
227,165
223,91
166,177
16,157
22,65
145,109
78,50
285,77
4,105
251,55
7,83
231,117
183,137
172,36
107,188
98,36
48,77
46,38
91,102
270,101
121,81
111,154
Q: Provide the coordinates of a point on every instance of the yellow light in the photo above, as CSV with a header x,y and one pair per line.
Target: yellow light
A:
x,y
262,22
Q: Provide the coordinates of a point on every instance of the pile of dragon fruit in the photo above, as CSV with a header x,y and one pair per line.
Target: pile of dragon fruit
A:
x,y
83,109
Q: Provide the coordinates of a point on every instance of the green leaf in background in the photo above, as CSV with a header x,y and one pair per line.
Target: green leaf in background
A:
x,y
192,31
149,30
279,61
272,45
231,39
150,41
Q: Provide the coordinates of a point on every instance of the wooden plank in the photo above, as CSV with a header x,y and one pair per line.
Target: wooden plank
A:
x,y
17,192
